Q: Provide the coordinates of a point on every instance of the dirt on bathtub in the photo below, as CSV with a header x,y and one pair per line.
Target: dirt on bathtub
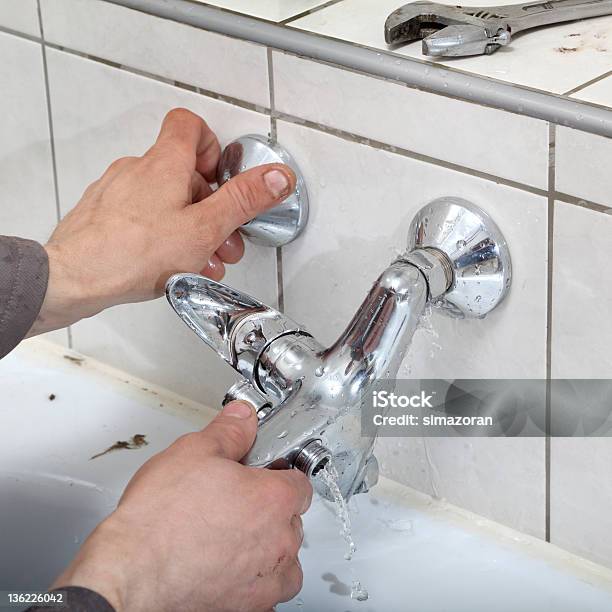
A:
x,y
136,441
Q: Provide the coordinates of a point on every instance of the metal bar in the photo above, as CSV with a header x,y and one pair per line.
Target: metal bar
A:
x,y
414,73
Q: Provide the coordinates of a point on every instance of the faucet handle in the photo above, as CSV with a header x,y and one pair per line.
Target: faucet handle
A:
x,y
286,221
234,324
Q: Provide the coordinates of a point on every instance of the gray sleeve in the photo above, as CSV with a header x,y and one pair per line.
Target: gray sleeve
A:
x,y
78,599
24,272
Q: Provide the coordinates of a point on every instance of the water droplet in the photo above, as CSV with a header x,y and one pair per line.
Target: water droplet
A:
x,y
282,434
478,298
460,244
319,371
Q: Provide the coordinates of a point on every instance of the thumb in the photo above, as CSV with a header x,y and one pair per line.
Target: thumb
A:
x,y
232,432
245,196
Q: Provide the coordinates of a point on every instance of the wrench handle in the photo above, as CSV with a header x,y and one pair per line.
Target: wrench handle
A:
x,y
533,15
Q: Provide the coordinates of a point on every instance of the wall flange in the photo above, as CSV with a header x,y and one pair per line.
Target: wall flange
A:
x,y
284,222
475,249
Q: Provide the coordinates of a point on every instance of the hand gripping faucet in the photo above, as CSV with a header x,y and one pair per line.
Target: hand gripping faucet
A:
x,y
308,397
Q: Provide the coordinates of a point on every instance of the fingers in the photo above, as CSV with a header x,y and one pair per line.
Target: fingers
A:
x,y
232,248
298,529
214,269
301,488
185,135
232,433
292,580
244,197
200,189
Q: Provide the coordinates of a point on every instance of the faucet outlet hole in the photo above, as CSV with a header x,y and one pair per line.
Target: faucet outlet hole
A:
x,y
312,458
321,465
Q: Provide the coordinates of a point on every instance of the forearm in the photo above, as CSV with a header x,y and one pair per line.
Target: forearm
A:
x,y
24,274
70,296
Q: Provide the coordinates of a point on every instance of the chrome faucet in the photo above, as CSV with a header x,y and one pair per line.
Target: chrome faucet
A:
x,y
309,398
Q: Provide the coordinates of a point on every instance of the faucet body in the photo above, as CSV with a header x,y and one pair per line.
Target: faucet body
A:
x,y
309,398
305,392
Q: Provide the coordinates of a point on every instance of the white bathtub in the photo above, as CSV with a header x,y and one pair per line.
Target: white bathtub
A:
x,y
414,553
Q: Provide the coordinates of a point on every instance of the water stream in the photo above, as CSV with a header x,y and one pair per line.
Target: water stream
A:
x,y
329,476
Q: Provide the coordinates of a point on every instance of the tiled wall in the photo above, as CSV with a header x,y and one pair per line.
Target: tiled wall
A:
x,y
373,152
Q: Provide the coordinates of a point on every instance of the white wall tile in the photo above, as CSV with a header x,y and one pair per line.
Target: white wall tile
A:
x,y
363,200
581,488
582,299
583,160
273,10
581,497
425,123
20,15
500,478
598,93
101,113
26,177
583,165
175,51
554,59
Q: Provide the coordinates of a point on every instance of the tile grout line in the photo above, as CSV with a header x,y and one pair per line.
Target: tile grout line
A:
x,y
549,318
376,144
58,213
601,77
272,96
280,291
582,203
311,11
5,30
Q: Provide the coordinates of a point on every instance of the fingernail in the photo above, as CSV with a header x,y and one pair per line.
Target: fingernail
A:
x,y
240,410
277,183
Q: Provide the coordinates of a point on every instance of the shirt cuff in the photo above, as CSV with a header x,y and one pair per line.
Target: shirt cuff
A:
x,y
77,599
24,273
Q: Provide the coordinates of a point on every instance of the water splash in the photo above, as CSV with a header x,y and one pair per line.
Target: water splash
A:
x,y
358,591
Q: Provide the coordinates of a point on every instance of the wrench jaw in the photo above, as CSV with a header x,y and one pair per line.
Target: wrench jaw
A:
x,y
464,40
416,28
411,22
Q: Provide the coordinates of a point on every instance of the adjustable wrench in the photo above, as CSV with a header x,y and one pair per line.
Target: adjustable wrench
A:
x,y
454,31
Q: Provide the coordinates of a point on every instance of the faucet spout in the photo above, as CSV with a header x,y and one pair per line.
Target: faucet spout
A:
x,y
373,344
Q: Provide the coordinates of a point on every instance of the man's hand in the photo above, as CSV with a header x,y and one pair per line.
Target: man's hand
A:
x,y
149,217
196,530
